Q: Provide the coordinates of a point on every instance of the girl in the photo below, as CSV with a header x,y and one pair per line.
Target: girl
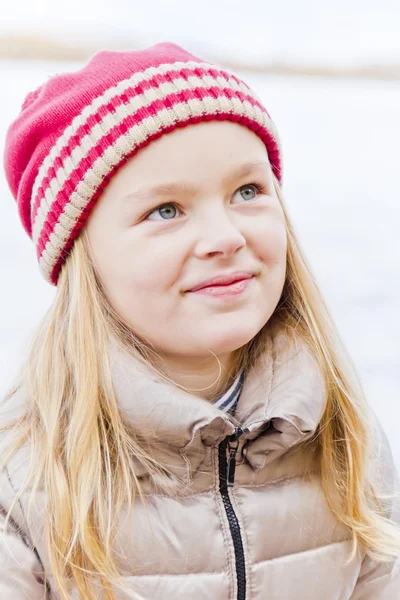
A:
x,y
188,423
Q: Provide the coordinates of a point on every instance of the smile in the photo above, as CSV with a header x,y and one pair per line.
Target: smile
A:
x,y
224,291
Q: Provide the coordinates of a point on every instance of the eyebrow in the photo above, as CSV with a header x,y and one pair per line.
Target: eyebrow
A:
x,y
181,187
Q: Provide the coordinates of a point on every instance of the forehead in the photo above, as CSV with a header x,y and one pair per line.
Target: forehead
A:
x,y
178,187
191,157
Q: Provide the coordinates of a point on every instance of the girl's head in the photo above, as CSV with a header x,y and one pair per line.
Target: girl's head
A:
x,y
142,129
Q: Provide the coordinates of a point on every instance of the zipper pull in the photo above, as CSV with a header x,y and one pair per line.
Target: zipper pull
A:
x,y
231,466
230,477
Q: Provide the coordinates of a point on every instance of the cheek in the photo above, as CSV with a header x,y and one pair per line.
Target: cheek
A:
x,y
269,241
139,268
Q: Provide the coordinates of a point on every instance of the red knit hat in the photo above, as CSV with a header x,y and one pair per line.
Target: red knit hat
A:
x,y
76,129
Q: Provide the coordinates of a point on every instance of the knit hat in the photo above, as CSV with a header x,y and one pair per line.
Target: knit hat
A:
x,y
75,131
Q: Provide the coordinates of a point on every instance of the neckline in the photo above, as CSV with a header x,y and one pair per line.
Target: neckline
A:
x,y
281,403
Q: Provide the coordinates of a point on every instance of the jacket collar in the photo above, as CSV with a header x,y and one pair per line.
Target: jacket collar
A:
x,y
281,403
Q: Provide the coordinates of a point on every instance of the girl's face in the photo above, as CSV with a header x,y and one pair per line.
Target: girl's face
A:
x,y
210,216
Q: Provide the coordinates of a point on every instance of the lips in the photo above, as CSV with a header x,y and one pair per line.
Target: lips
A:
x,y
223,280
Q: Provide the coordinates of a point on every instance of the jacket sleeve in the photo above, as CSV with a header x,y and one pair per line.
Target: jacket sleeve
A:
x,y
381,581
21,572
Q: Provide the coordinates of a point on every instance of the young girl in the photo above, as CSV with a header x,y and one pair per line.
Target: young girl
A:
x,y
188,423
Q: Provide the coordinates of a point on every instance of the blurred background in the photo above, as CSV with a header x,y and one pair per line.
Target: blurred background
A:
x,y
329,75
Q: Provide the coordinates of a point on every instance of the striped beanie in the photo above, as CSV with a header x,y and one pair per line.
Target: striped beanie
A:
x,y
74,132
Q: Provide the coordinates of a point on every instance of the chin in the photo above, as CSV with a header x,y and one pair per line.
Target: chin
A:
x,y
225,341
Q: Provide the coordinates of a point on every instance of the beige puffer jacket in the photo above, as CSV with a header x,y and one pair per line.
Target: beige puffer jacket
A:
x,y
266,535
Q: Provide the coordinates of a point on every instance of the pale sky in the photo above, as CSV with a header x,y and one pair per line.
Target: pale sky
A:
x,y
301,30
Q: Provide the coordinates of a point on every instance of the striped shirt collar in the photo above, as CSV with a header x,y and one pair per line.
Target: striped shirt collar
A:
x,y
228,401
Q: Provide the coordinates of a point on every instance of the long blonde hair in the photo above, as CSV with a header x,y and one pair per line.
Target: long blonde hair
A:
x,y
81,449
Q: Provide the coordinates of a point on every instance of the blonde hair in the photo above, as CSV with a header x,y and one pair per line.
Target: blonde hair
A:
x,y
72,423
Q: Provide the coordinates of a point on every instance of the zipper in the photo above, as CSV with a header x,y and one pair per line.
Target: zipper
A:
x,y
227,467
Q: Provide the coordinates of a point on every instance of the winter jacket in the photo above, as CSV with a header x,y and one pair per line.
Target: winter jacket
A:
x,y
253,523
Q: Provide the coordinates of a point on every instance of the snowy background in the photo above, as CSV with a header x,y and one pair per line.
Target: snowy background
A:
x,y
340,141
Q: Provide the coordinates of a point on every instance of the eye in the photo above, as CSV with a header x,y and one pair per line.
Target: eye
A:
x,y
167,211
257,186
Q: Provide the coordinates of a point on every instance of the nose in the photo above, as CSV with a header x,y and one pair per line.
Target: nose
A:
x,y
218,236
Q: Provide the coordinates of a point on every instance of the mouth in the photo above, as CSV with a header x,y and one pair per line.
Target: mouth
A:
x,y
234,287
223,281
